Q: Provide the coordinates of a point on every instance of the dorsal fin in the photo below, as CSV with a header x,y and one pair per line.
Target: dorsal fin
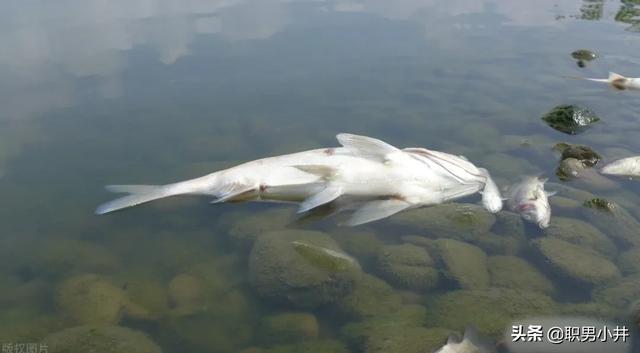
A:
x,y
367,147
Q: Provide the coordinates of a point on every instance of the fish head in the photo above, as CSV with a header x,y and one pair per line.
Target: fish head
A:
x,y
536,210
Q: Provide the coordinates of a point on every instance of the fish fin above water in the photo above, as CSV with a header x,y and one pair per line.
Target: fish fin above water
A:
x,y
366,146
232,191
327,195
139,194
320,170
377,209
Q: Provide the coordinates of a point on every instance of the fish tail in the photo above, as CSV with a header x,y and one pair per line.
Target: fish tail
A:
x,y
138,194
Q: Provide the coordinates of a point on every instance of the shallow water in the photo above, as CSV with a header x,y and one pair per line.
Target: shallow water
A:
x,y
150,92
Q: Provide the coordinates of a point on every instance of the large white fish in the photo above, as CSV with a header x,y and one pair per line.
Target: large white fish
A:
x,y
530,200
381,178
629,166
616,81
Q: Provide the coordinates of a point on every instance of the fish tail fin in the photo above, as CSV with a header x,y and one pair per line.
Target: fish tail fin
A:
x,y
138,194
614,76
588,78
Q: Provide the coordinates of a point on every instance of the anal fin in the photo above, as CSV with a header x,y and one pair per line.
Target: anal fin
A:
x,y
377,209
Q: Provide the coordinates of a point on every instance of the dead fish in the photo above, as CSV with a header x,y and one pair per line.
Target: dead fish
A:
x,y
469,344
629,166
382,179
530,200
616,81
491,198
325,258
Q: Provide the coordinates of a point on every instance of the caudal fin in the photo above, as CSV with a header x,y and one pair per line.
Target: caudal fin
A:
x,y
138,194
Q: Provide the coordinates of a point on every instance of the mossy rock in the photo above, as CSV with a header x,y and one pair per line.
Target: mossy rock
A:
x,y
581,233
362,245
401,331
584,54
619,294
494,244
599,204
593,309
509,224
186,294
100,339
584,154
278,272
315,346
448,220
618,224
629,261
288,328
408,266
464,263
490,310
91,299
370,297
515,273
576,263
570,119
246,229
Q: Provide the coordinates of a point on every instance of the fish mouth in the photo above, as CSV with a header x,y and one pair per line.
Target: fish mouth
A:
x,y
525,207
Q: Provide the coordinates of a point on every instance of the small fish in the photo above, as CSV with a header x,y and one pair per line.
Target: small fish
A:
x,y
491,198
325,258
629,166
469,344
616,81
531,201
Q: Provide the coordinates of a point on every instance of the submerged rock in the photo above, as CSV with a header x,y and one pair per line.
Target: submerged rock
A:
x,y
573,169
619,294
629,261
582,153
464,263
618,224
599,204
400,332
581,233
515,273
570,119
575,263
407,266
186,294
75,256
314,346
325,258
279,272
90,299
362,245
370,297
288,327
490,311
246,228
100,339
448,220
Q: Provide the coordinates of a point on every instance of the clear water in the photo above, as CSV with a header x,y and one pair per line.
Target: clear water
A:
x,y
127,92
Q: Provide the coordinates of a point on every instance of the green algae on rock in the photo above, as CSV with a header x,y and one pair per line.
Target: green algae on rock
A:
x,y
489,310
570,119
581,233
574,262
599,204
464,263
450,219
100,339
584,54
408,266
584,154
629,261
75,256
515,273
90,299
288,327
313,346
362,245
370,297
619,294
186,294
618,224
277,271
246,228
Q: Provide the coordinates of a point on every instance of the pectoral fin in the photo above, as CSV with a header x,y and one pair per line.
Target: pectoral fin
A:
x,y
233,192
377,209
327,195
320,170
367,147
